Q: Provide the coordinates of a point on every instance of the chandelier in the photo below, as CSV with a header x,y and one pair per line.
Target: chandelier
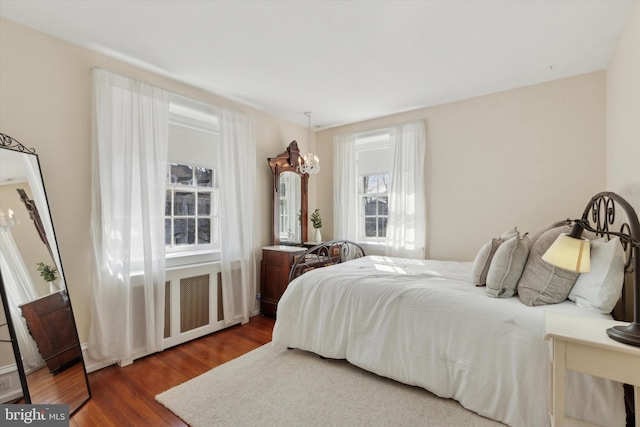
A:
x,y
8,221
310,162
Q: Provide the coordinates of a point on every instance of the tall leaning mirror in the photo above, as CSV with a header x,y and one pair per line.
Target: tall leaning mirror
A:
x,y
289,197
38,317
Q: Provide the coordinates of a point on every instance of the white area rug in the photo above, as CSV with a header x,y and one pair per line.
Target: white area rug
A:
x,y
273,386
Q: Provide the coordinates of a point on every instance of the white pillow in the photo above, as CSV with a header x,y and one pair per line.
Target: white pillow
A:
x,y
601,288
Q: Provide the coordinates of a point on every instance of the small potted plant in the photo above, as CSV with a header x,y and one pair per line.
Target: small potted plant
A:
x,y
48,273
316,220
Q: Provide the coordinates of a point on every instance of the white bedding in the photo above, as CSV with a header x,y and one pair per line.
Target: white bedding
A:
x,y
424,323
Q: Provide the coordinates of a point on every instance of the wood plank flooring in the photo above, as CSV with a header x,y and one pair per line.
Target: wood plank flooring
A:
x,y
126,396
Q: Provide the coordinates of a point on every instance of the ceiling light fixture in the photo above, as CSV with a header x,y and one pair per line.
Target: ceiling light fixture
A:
x,y
8,221
309,163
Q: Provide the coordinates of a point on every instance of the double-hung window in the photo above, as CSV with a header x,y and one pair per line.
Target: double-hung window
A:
x,y
373,175
379,188
192,222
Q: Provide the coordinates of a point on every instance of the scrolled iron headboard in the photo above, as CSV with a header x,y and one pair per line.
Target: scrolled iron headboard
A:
x,y
325,254
601,216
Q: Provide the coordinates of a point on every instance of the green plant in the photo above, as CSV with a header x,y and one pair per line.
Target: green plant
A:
x,y
316,219
47,272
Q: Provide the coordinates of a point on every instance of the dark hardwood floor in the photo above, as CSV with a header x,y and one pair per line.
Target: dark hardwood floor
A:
x,y
126,396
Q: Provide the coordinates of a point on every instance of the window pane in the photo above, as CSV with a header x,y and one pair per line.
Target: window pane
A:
x,y
382,227
383,206
383,183
204,230
184,231
204,203
370,184
184,203
204,177
167,232
370,204
167,204
181,174
370,227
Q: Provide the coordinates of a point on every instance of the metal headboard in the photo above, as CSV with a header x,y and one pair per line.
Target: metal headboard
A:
x,y
601,217
325,254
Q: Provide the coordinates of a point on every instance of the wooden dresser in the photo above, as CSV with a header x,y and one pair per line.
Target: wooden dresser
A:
x,y
50,323
274,274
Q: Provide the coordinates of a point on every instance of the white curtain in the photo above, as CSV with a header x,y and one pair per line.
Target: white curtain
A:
x,y
20,289
130,134
237,193
345,187
406,227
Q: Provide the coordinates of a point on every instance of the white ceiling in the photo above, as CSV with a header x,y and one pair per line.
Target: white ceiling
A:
x,y
344,61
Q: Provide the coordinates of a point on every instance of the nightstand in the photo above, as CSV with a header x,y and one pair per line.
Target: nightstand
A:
x,y
274,275
580,343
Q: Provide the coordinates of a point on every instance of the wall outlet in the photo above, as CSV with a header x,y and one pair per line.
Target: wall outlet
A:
x,y
5,383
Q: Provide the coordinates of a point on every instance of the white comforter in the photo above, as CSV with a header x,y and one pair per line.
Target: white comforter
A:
x,y
424,323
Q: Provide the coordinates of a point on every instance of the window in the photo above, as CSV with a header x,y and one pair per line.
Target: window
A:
x,y
192,221
191,207
373,206
372,154
379,186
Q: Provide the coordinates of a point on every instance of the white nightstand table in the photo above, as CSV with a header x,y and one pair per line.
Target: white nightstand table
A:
x,y
580,343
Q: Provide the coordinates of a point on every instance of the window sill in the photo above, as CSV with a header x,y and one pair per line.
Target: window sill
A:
x,y
373,248
178,259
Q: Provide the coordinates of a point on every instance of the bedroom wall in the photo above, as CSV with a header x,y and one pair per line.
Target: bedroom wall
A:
x,y
623,114
46,104
523,157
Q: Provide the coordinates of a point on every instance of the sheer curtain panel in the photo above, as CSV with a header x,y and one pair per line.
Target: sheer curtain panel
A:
x,y
15,271
130,140
345,187
406,227
237,192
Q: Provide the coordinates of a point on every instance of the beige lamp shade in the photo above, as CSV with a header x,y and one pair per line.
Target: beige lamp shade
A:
x,y
569,253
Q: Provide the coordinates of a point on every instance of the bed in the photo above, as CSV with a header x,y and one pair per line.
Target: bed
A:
x,y
427,323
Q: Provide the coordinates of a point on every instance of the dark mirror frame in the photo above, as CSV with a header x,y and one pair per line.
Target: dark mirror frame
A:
x,y
288,161
8,143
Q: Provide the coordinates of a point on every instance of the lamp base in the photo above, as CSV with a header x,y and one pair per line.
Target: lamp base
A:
x,y
629,334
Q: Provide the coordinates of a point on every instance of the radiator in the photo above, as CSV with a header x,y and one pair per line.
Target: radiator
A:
x,y
193,302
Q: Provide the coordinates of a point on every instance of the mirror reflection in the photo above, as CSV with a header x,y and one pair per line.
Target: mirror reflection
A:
x,y
35,288
289,197
290,208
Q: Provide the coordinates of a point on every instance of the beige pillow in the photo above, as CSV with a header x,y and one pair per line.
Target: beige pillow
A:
x,y
483,260
541,283
485,255
506,267
534,237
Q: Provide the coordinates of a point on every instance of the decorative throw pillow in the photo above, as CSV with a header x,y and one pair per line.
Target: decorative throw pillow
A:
x,y
600,289
535,236
541,283
485,255
483,260
506,267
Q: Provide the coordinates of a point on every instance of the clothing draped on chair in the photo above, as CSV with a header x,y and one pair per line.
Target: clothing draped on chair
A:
x,y
237,194
406,227
130,132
